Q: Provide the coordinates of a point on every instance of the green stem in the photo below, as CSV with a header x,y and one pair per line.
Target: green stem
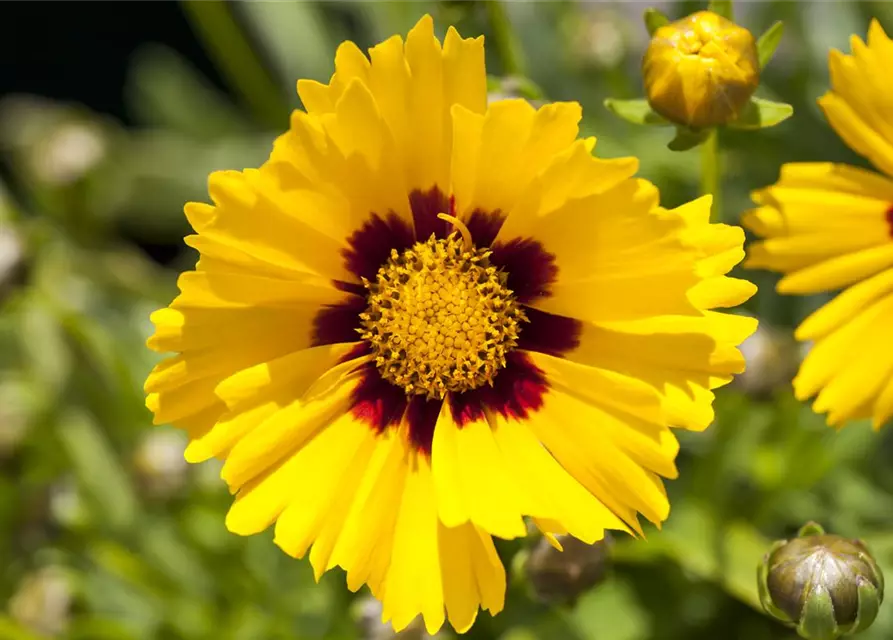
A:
x,y
711,183
504,36
711,171
231,50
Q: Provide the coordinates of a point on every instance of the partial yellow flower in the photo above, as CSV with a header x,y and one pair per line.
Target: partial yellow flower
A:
x,y
426,319
829,227
701,70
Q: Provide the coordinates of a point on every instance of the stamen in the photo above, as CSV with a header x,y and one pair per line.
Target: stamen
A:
x,y
458,224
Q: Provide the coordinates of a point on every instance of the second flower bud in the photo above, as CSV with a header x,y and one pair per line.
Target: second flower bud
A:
x,y
701,71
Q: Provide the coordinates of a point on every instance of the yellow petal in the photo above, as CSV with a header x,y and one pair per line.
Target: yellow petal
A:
x,y
256,394
203,289
472,574
860,376
293,372
616,458
181,402
306,481
427,156
473,478
825,359
555,495
788,253
210,328
573,174
603,387
288,429
838,272
465,80
283,239
365,539
845,306
414,582
859,101
681,358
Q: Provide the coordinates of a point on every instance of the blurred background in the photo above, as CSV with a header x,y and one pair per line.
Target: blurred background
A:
x,y
111,117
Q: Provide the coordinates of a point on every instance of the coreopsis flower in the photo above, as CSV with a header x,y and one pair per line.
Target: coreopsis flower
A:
x,y
424,320
701,71
826,586
828,227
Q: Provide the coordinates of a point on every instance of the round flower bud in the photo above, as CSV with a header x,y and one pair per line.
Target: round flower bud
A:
x,y
561,576
700,71
825,586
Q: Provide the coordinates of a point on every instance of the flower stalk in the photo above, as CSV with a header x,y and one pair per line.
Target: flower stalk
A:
x,y
505,40
711,172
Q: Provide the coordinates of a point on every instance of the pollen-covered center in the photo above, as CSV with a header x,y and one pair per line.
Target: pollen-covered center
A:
x,y
440,317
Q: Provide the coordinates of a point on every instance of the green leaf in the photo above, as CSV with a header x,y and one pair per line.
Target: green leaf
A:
x,y
612,611
760,114
98,469
12,630
164,90
296,37
687,139
722,8
654,20
636,111
768,43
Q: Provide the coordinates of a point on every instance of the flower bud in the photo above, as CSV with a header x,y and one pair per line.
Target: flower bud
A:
x,y
772,358
367,613
825,586
701,71
561,576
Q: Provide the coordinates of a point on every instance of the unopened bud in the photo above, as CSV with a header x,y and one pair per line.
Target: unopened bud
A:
x,y
825,586
559,577
772,357
701,71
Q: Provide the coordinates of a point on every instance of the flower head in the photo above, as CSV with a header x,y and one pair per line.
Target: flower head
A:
x,y
700,71
829,227
425,319
824,585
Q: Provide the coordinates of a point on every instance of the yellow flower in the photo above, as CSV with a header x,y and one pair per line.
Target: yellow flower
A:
x,y
700,71
426,318
830,227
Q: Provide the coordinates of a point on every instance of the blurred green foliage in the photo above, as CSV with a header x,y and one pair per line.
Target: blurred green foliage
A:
x,y
106,533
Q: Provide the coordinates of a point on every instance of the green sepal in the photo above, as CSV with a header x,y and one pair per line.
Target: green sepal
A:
x,y
636,111
869,604
687,139
811,529
876,570
654,20
763,586
761,114
817,618
768,43
722,8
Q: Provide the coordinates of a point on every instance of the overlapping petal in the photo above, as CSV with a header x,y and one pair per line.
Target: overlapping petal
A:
x,y
859,102
827,227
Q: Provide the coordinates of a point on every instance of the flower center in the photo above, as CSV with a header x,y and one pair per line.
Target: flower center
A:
x,y
440,317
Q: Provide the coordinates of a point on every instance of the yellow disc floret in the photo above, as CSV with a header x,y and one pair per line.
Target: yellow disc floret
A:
x,y
440,317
